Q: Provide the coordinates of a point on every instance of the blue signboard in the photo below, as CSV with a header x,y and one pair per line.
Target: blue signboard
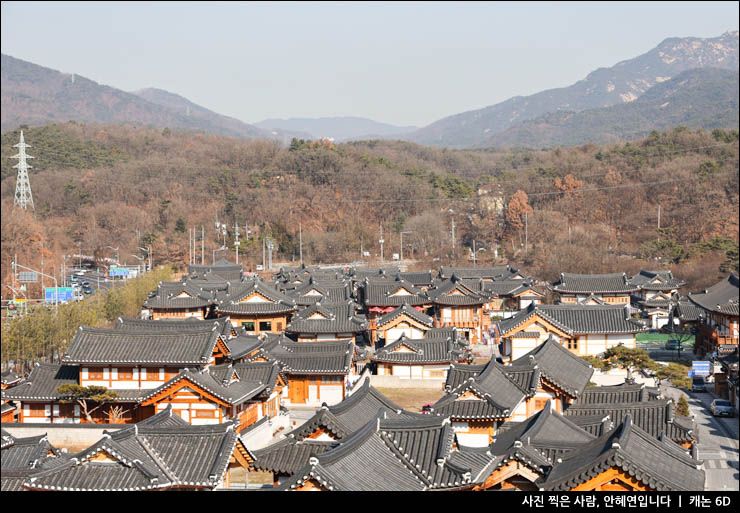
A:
x,y
118,271
63,294
700,368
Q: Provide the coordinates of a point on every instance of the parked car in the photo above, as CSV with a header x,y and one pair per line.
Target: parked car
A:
x,y
672,344
87,289
698,385
722,408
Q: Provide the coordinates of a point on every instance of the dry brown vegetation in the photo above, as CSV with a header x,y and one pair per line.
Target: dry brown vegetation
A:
x,y
588,208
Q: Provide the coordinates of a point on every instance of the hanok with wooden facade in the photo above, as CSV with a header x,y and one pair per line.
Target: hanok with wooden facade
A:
x,y
315,372
479,404
613,289
657,296
584,330
174,300
458,306
9,412
420,358
718,329
626,459
404,320
524,452
244,393
381,297
162,453
329,426
319,322
258,308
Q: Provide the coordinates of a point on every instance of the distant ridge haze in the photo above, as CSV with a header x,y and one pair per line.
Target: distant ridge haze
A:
x,y
340,128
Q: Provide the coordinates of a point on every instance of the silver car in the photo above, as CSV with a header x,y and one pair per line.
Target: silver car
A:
x,y
722,408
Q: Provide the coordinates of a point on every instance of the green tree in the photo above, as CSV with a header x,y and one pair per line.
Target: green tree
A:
x,y
84,395
675,373
629,359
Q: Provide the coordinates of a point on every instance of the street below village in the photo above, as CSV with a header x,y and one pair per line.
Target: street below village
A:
x,y
718,441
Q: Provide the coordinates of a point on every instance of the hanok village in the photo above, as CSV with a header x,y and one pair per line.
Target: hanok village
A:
x,y
229,381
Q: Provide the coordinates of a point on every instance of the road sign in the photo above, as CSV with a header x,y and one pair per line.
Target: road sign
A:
x,y
701,368
118,271
28,276
58,294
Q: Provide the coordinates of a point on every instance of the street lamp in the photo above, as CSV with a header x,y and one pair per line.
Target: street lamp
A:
x,y
148,251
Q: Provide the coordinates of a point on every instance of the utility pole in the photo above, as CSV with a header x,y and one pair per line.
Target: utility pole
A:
x,y
526,233
452,232
381,241
658,216
236,241
475,255
190,246
402,245
23,195
264,253
270,247
202,247
300,241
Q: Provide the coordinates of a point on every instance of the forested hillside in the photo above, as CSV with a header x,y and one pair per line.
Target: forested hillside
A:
x,y
582,209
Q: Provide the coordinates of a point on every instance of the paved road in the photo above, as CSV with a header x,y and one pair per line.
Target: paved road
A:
x,y
718,442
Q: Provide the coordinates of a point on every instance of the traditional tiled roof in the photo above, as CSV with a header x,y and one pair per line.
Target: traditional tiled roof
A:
x,y
418,278
442,294
145,457
346,417
113,346
243,345
383,293
687,311
507,288
223,269
189,325
10,378
337,319
400,455
405,309
539,440
656,417
721,297
325,292
557,365
656,280
576,319
168,297
43,381
313,357
24,457
289,455
423,351
614,283
660,300
277,302
496,273
339,421
217,381
624,393
496,396
659,464
460,373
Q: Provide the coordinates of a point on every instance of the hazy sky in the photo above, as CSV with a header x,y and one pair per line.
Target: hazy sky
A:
x,y
402,63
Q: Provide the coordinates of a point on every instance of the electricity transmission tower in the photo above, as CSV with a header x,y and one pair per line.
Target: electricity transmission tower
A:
x,y
23,196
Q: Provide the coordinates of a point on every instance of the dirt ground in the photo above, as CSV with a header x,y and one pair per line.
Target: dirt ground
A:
x,y
412,399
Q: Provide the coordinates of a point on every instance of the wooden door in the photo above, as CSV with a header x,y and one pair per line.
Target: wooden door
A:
x,y
298,390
